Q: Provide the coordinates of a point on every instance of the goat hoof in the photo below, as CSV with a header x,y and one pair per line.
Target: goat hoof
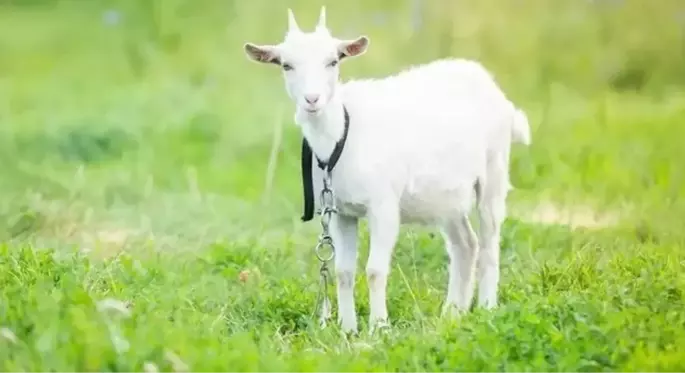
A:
x,y
452,312
348,328
380,326
349,334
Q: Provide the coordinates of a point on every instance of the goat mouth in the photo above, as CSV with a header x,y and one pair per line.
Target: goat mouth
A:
x,y
312,111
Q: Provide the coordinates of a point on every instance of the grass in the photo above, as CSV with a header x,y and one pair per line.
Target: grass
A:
x,y
142,228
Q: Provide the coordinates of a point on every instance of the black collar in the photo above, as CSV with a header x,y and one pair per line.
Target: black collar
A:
x,y
307,158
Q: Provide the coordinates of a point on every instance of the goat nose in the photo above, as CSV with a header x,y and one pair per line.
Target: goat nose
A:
x,y
312,99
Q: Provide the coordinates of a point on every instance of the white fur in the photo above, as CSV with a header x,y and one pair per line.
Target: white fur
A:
x,y
425,146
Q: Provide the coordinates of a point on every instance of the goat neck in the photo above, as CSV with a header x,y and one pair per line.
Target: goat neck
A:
x,y
324,129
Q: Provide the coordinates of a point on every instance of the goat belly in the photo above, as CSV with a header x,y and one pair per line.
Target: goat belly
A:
x,y
433,204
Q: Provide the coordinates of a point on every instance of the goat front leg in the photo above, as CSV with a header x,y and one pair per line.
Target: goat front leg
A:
x,y
344,234
384,227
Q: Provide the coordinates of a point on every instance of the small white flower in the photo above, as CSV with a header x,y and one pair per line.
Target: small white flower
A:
x,y
121,345
111,304
150,367
176,363
8,335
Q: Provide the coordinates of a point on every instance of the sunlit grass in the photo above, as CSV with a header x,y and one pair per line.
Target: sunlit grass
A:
x,y
135,140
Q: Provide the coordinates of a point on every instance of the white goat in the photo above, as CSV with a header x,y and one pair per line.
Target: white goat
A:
x,y
424,146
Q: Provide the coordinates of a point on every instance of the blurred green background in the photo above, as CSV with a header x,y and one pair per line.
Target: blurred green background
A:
x,y
136,125
136,106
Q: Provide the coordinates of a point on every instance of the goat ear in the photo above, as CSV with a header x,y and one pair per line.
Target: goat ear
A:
x,y
353,48
262,53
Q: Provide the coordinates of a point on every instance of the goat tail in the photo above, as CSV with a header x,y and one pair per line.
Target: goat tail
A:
x,y
520,128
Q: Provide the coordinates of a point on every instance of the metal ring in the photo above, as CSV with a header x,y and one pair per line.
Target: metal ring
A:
x,y
325,240
327,197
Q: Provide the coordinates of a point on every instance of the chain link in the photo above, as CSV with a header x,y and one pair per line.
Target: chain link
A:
x,y
325,249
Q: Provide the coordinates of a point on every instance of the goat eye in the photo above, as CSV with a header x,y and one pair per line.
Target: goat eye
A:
x,y
333,63
287,67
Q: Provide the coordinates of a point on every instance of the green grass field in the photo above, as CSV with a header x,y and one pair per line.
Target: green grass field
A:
x,y
146,164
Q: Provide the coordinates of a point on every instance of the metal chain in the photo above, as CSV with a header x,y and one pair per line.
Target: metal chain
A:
x,y
325,249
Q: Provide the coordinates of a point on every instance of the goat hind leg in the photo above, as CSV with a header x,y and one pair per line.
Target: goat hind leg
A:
x,y
492,212
461,243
